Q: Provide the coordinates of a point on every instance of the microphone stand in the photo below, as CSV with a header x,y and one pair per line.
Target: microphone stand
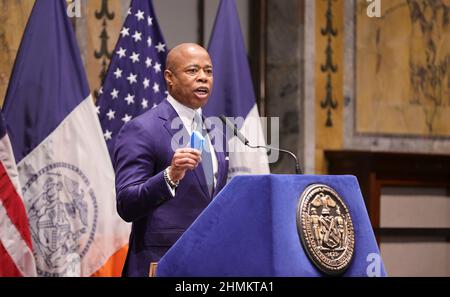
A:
x,y
245,141
297,165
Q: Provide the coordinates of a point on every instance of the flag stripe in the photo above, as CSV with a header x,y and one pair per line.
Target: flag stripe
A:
x,y
9,187
8,161
14,228
13,244
13,206
16,257
114,265
7,266
232,93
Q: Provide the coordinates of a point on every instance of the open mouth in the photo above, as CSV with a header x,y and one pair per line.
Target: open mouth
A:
x,y
202,91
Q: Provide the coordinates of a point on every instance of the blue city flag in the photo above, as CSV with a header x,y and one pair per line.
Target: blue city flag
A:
x,y
33,107
233,94
66,176
135,81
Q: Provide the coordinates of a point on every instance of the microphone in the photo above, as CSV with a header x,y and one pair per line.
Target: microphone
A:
x,y
245,141
235,130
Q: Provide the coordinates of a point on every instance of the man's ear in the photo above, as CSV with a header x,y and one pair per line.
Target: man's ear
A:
x,y
168,75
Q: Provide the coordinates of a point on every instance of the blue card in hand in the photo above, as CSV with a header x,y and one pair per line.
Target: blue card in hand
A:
x,y
197,141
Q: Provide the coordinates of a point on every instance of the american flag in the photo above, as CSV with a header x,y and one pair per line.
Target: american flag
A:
x,y
135,81
16,256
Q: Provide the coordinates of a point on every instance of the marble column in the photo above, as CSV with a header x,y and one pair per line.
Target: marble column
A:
x,y
285,81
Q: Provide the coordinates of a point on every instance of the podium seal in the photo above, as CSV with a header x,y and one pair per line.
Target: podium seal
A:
x,y
325,228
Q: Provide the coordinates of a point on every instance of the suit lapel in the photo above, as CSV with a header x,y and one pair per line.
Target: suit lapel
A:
x,y
168,114
221,168
221,162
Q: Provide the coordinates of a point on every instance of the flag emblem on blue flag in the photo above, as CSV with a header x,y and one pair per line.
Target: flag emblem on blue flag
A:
x,y
135,81
63,164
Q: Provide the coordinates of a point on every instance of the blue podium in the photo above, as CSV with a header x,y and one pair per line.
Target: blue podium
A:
x,y
250,229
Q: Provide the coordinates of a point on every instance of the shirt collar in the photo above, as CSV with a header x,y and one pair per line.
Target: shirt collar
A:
x,y
185,113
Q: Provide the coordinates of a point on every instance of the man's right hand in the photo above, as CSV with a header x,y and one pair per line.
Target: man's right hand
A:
x,y
183,159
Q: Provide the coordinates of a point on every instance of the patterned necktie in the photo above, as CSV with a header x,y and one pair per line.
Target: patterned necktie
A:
x,y
206,154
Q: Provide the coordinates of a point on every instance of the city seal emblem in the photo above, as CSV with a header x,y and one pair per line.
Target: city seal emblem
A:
x,y
325,228
63,215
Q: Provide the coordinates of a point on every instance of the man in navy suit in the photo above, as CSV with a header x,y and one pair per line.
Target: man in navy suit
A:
x,y
162,190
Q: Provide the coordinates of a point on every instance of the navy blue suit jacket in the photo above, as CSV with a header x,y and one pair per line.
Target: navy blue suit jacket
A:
x,y
142,152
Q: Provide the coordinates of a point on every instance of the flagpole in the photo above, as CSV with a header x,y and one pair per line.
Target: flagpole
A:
x,y
201,22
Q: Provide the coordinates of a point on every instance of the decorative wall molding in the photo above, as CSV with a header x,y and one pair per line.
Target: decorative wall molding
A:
x,y
103,53
329,67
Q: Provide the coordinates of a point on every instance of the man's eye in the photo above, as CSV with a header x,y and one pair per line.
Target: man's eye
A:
x,y
192,71
209,71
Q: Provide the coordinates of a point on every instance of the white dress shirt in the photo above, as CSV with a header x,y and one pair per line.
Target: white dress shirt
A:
x,y
186,115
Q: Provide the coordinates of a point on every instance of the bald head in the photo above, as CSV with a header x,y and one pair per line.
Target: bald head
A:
x,y
180,52
189,74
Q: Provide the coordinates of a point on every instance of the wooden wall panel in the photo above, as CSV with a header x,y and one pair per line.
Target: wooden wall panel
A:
x,y
13,19
329,79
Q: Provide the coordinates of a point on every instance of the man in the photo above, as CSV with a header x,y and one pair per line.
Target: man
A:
x,y
161,191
